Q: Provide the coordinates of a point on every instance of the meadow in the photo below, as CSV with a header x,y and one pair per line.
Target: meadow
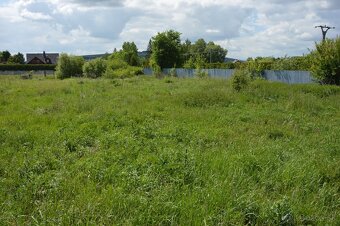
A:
x,y
147,151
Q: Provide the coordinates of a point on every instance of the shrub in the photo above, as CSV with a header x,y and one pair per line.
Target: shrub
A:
x,y
69,66
29,75
173,72
118,68
128,72
200,73
326,61
240,79
94,68
156,69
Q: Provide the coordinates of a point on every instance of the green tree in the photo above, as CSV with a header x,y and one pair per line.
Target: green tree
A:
x,y
149,49
215,53
166,49
69,66
16,59
326,61
130,53
4,56
199,47
195,62
185,50
94,68
118,68
201,50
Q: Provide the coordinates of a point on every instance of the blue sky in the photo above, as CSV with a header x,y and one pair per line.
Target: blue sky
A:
x,y
247,28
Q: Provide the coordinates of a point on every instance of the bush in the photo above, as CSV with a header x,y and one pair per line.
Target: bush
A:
x,y
326,61
94,68
69,66
118,68
200,73
156,69
124,72
240,79
173,72
29,75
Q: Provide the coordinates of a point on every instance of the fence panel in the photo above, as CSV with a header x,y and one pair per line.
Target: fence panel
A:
x,y
290,77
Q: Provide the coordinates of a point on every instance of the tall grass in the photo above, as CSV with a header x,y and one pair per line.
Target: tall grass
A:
x,y
145,151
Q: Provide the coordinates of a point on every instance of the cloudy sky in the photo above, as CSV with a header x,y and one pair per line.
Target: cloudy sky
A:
x,y
245,27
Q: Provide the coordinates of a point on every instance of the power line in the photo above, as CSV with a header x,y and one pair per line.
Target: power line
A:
x,y
324,29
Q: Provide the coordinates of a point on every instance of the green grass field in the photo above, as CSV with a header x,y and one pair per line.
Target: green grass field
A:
x,y
148,151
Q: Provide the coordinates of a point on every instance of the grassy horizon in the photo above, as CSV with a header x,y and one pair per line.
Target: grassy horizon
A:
x,y
146,151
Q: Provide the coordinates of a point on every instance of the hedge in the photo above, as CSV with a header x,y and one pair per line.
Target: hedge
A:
x,y
27,67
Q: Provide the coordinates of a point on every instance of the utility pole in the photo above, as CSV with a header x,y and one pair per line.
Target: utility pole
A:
x,y
324,30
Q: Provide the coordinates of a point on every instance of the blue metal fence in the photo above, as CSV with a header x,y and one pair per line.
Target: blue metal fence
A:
x,y
290,77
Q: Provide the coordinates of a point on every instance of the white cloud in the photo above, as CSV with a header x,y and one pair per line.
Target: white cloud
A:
x,y
34,16
244,27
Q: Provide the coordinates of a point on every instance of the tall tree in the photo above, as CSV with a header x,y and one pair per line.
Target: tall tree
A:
x,y
149,49
166,49
185,50
4,56
214,53
16,59
198,48
130,53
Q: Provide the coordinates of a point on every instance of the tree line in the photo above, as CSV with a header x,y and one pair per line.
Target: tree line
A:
x,y
167,50
7,58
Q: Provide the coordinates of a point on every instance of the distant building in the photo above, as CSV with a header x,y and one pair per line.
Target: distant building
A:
x,y
94,56
232,60
42,58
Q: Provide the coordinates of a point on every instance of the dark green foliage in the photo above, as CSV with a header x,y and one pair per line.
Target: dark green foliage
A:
x,y
149,49
26,67
166,49
326,61
16,59
205,53
215,53
94,68
69,66
199,47
130,53
4,56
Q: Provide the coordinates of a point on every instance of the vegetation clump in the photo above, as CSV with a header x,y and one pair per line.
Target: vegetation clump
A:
x,y
94,68
240,80
69,66
326,61
118,68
